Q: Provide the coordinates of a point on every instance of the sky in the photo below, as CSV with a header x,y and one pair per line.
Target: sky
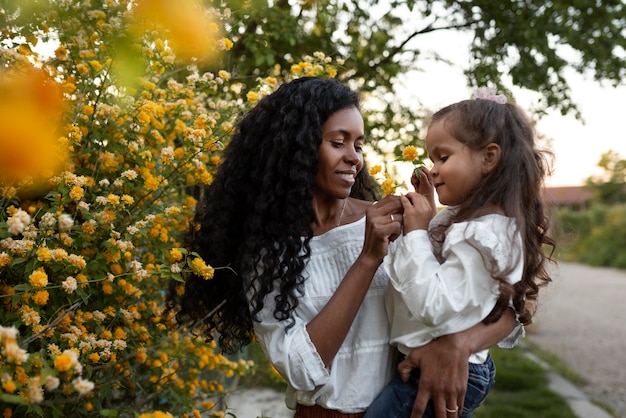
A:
x,y
577,147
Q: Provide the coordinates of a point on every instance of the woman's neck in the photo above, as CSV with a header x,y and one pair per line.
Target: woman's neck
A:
x,y
329,214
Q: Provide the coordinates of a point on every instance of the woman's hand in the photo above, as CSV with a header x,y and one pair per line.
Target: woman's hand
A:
x,y
383,225
444,372
419,206
444,368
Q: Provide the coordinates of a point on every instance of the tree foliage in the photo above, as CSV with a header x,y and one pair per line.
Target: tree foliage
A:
x,y
531,44
609,187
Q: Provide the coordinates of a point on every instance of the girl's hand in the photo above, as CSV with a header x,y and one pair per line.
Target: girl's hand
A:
x,y
383,225
419,206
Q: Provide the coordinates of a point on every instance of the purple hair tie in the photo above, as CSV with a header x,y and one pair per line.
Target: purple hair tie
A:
x,y
485,93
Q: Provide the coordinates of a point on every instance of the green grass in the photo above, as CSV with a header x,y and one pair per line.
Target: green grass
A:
x,y
557,364
521,389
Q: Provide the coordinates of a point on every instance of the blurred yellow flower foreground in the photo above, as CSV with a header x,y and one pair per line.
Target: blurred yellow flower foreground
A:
x,y
31,110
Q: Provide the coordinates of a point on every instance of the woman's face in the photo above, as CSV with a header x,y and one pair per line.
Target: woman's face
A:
x,y
340,153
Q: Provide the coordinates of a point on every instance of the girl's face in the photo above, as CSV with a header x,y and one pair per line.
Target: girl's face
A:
x,y
340,153
457,168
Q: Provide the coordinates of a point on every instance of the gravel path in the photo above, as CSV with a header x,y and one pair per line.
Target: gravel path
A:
x,y
582,320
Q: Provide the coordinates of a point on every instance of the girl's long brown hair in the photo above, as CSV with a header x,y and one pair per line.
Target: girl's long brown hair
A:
x,y
514,185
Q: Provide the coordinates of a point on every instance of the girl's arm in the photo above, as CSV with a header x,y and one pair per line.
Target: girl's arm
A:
x,y
443,364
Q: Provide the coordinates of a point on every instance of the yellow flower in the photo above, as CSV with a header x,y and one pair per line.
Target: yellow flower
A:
x,y
82,69
61,53
5,259
41,297
375,170
189,28
410,153
152,183
9,387
38,278
77,261
95,65
31,116
226,44
388,186
77,193
65,361
201,268
176,254
88,110
224,74
252,96
107,289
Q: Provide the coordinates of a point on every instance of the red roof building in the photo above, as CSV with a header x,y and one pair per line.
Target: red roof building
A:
x,y
575,197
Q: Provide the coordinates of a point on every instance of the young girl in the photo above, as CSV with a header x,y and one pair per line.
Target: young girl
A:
x,y
477,257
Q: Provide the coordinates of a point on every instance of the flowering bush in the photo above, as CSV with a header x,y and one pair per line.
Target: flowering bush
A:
x,y
114,131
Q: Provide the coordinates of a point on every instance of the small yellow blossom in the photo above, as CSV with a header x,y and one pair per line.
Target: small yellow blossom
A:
x,y
410,153
64,361
225,44
9,386
5,259
375,170
41,297
388,187
38,278
77,193
176,254
88,110
252,96
96,65
82,69
201,268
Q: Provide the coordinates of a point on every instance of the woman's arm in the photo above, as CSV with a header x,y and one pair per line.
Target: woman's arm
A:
x,y
331,325
443,364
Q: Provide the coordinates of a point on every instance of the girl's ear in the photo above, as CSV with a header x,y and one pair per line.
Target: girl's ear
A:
x,y
491,157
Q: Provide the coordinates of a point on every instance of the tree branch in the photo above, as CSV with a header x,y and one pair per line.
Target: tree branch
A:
x,y
430,28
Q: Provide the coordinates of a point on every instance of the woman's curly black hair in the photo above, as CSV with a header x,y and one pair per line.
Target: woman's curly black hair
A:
x,y
255,214
514,185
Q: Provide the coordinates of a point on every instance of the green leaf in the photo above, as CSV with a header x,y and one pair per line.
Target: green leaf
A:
x,y
177,277
24,287
14,399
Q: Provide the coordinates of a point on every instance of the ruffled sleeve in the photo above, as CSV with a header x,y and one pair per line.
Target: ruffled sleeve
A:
x,y
459,292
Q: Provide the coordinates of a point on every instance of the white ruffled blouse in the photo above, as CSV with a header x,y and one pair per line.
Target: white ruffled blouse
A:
x,y
427,298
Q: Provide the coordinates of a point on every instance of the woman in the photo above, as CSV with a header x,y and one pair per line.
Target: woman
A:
x,y
291,214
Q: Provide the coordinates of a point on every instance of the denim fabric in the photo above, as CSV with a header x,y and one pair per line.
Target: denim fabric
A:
x,y
396,399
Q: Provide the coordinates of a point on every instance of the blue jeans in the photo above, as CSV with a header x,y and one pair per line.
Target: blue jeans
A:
x,y
397,398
